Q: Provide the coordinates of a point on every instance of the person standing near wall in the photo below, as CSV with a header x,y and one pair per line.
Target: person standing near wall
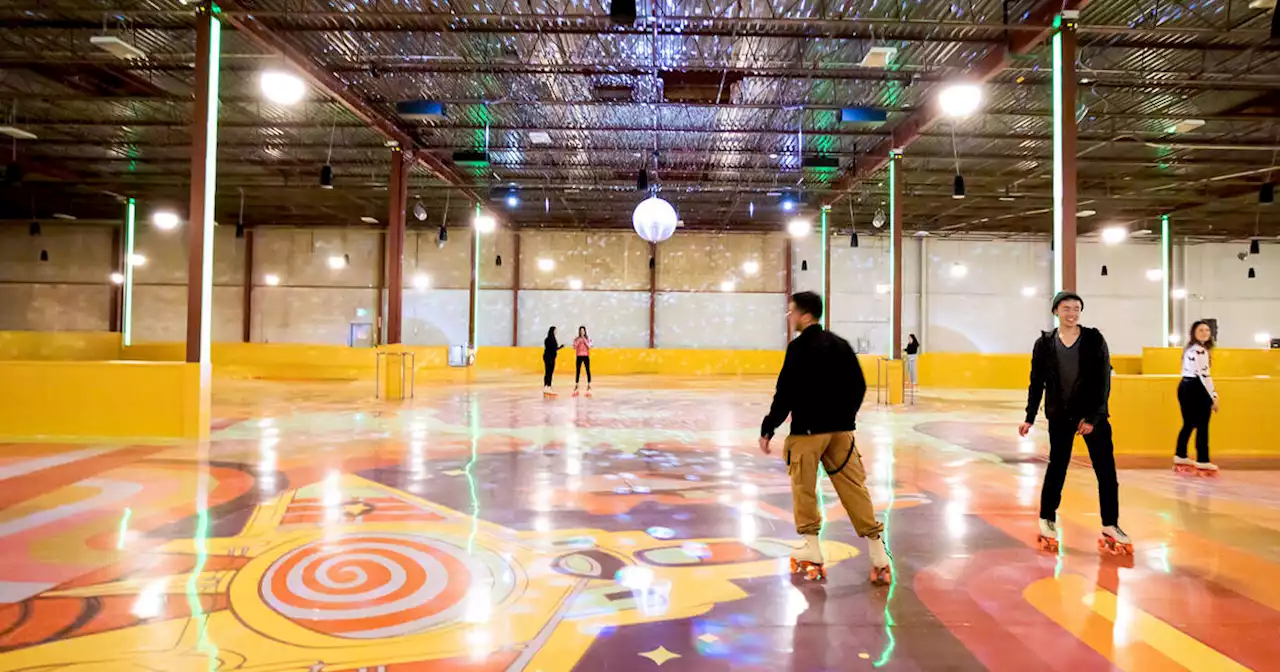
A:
x,y
821,387
550,347
582,349
1199,401
1071,370
913,354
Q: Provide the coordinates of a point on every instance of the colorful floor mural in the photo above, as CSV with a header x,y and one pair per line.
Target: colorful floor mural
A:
x,y
481,527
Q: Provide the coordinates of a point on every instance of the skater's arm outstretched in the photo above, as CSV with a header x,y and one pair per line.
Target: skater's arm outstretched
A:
x,y
782,395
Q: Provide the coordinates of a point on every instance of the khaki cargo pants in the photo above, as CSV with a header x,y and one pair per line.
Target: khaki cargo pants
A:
x,y
839,457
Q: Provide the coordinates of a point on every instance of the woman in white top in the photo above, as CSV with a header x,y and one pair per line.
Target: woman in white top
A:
x,y
1198,400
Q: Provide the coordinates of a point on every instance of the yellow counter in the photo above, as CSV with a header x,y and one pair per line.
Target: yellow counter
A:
x,y
1225,362
1146,417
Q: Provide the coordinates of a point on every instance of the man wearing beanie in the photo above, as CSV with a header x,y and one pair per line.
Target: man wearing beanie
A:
x,y
1071,371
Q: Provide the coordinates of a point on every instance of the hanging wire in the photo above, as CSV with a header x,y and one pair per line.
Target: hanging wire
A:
x,y
332,131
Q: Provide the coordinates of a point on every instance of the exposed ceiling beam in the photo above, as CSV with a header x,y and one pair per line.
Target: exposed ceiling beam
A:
x,y
333,87
913,127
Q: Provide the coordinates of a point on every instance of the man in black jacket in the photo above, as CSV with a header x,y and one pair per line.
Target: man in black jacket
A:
x,y
1071,370
821,387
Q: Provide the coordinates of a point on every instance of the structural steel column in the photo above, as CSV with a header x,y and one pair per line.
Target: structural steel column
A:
x,y
515,291
247,322
117,253
788,288
653,292
826,268
398,194
474,294
1064,151
204,156
895,254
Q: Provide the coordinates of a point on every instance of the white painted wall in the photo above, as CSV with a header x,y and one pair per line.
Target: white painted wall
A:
x,y
720,320
984,310
614,319
1218,287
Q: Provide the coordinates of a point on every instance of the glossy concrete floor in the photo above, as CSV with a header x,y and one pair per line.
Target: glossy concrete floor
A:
x,y
481,527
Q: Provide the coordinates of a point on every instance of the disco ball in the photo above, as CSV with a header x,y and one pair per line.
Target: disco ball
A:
x,y
654,220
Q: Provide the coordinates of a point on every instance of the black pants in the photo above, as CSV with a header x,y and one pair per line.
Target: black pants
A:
x,y
1062,433
1197,408
582,361
548,368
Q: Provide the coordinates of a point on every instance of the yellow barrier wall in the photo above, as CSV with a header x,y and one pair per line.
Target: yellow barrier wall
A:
x,y
59,345
99,399
994,372
1146,417
1226,362
288,361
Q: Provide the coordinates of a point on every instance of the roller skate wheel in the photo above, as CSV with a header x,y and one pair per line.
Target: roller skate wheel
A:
x,y
1109,545
1184,469
1048,544
1207,473
881,576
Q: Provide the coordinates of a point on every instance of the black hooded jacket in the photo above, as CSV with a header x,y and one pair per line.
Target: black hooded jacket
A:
x,y
1092,388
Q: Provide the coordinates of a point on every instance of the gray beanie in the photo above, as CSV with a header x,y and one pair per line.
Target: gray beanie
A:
x,y
1064,296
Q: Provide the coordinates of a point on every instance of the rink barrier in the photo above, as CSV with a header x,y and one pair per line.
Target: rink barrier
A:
x,y
1225,362
1145,416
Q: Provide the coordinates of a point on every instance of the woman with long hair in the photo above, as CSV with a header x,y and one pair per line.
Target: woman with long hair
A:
x,y
1198,400
550,347
582,348
913,355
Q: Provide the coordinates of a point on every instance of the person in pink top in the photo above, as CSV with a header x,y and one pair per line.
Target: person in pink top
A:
x,y
582,348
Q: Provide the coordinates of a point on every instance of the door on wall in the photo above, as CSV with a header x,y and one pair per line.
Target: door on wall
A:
x,y
1213,327
360,335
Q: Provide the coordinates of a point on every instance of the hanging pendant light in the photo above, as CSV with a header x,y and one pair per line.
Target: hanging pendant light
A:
x,y
326,177
34,229
1104,270
853,239
1255,247
652,263
957,190
1252,273
444,234
1267,194
642,180
804,264
44,256
239,230
498,262
419,210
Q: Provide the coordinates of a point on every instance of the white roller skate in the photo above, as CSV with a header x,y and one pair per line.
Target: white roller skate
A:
x,y
1115,541
1048,538
881,567
575,391
548,393
1183,465
808,559
1206,469
588,390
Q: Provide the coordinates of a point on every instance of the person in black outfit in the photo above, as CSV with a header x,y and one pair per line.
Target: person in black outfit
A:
x,y
913,356
1071,370
549,350
821,386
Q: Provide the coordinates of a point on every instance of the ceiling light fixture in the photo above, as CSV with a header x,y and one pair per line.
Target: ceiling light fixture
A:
x,y
1155,274
799,228
64,216
727,286
1028,291
750,267
419,211
165,220
960,100
575,284
421,281
1178,293
137,260
271,279
117,278
1086,213
546,265
326,176
282,88
959,270
486,223
654,220
1104,270
369,220
1114,235
337,263
17,133
117,47
853,239
1255,247
957,188
1267,193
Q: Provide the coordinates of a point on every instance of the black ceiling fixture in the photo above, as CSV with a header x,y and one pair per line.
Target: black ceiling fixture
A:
x,y
957,189
44,256
444,234
498,262
239,230
642,180
804,264
1104,270
34,229
1267,194
853,239
1252,274
1255,247
326,177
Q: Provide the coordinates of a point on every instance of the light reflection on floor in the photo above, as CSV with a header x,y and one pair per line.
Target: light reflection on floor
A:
x,y
481,527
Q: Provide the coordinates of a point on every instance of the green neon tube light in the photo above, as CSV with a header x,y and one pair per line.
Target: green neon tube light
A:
x,y
893,250
1166,279
825,302
126,307
210,189
1058,158
475,275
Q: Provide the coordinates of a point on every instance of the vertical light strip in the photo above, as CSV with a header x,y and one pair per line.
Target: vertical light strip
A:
x,y
1058,158
893,242
475,276
126,306
210,187
1166,280
826,304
